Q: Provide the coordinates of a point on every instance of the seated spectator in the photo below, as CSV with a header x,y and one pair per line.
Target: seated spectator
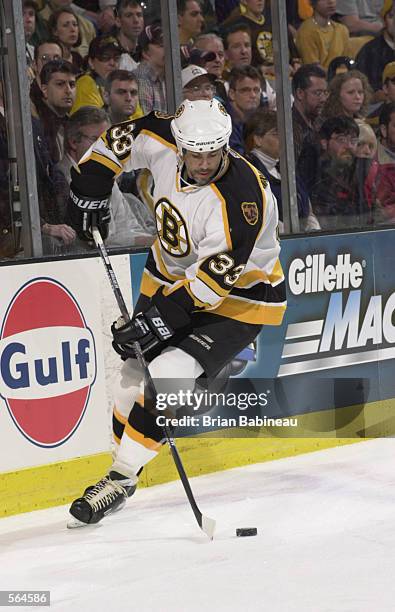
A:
x,y
388,89
130,24
29,12
349,94
320,39
263,147
63,27
237,44
150,74
212,46
103,57
374,56
338,65
86,28
130,224
367,141
310,92
190,20
385,194
57,82
122,96
197,83
256,15
389,82
43,53
361,17
40,31
335,194
245,89
52,188
262,144
210,61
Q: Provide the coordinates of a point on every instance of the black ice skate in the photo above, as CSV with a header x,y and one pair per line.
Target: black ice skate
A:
x,y
129,488
106,497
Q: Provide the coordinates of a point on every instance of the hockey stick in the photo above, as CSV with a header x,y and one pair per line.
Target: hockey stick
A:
x,y
205,523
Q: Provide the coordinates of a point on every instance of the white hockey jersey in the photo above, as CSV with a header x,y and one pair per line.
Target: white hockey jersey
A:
x,y
217,247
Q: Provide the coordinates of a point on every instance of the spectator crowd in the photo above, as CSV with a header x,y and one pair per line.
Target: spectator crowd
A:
x,y
95,63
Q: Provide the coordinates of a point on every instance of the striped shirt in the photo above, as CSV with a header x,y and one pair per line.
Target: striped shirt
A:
x,y
152,93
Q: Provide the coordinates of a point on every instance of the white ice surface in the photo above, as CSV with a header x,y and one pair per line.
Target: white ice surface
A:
x,y
326,542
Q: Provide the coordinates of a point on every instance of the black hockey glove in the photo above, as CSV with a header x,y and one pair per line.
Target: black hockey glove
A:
x,y
84,210
149,328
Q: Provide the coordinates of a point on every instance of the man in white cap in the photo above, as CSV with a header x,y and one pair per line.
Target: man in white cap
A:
x,y
197,83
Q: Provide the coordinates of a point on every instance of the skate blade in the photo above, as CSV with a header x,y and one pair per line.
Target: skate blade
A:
x,y
76,524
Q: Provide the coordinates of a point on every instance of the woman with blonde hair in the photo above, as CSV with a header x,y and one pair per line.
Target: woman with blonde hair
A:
x,y
349,94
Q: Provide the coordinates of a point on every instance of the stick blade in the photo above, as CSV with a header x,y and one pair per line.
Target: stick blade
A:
x,y
208,526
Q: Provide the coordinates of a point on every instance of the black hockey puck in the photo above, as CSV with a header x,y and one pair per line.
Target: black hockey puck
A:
x,y
246,531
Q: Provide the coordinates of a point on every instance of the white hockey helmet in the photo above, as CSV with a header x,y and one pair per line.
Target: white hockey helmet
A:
x,y
201,125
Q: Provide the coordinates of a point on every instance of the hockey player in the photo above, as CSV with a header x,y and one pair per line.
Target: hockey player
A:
x,y
212,278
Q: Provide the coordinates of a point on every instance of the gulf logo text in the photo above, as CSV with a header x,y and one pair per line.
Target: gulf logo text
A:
x,y
47,362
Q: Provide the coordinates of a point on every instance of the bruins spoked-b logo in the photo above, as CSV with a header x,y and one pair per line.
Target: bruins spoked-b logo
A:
x,y
250,212
264,43
172,230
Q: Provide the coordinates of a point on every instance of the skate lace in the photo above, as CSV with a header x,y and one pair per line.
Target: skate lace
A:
x,y
105,492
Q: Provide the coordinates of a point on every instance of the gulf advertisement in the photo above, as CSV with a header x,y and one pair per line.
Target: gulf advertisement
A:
x,y
54,398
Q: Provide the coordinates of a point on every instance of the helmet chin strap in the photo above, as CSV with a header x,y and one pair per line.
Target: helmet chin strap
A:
x,y
222,168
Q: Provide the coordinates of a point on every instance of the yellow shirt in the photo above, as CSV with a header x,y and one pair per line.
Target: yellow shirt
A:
x,y
322,45
137,113
87,93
